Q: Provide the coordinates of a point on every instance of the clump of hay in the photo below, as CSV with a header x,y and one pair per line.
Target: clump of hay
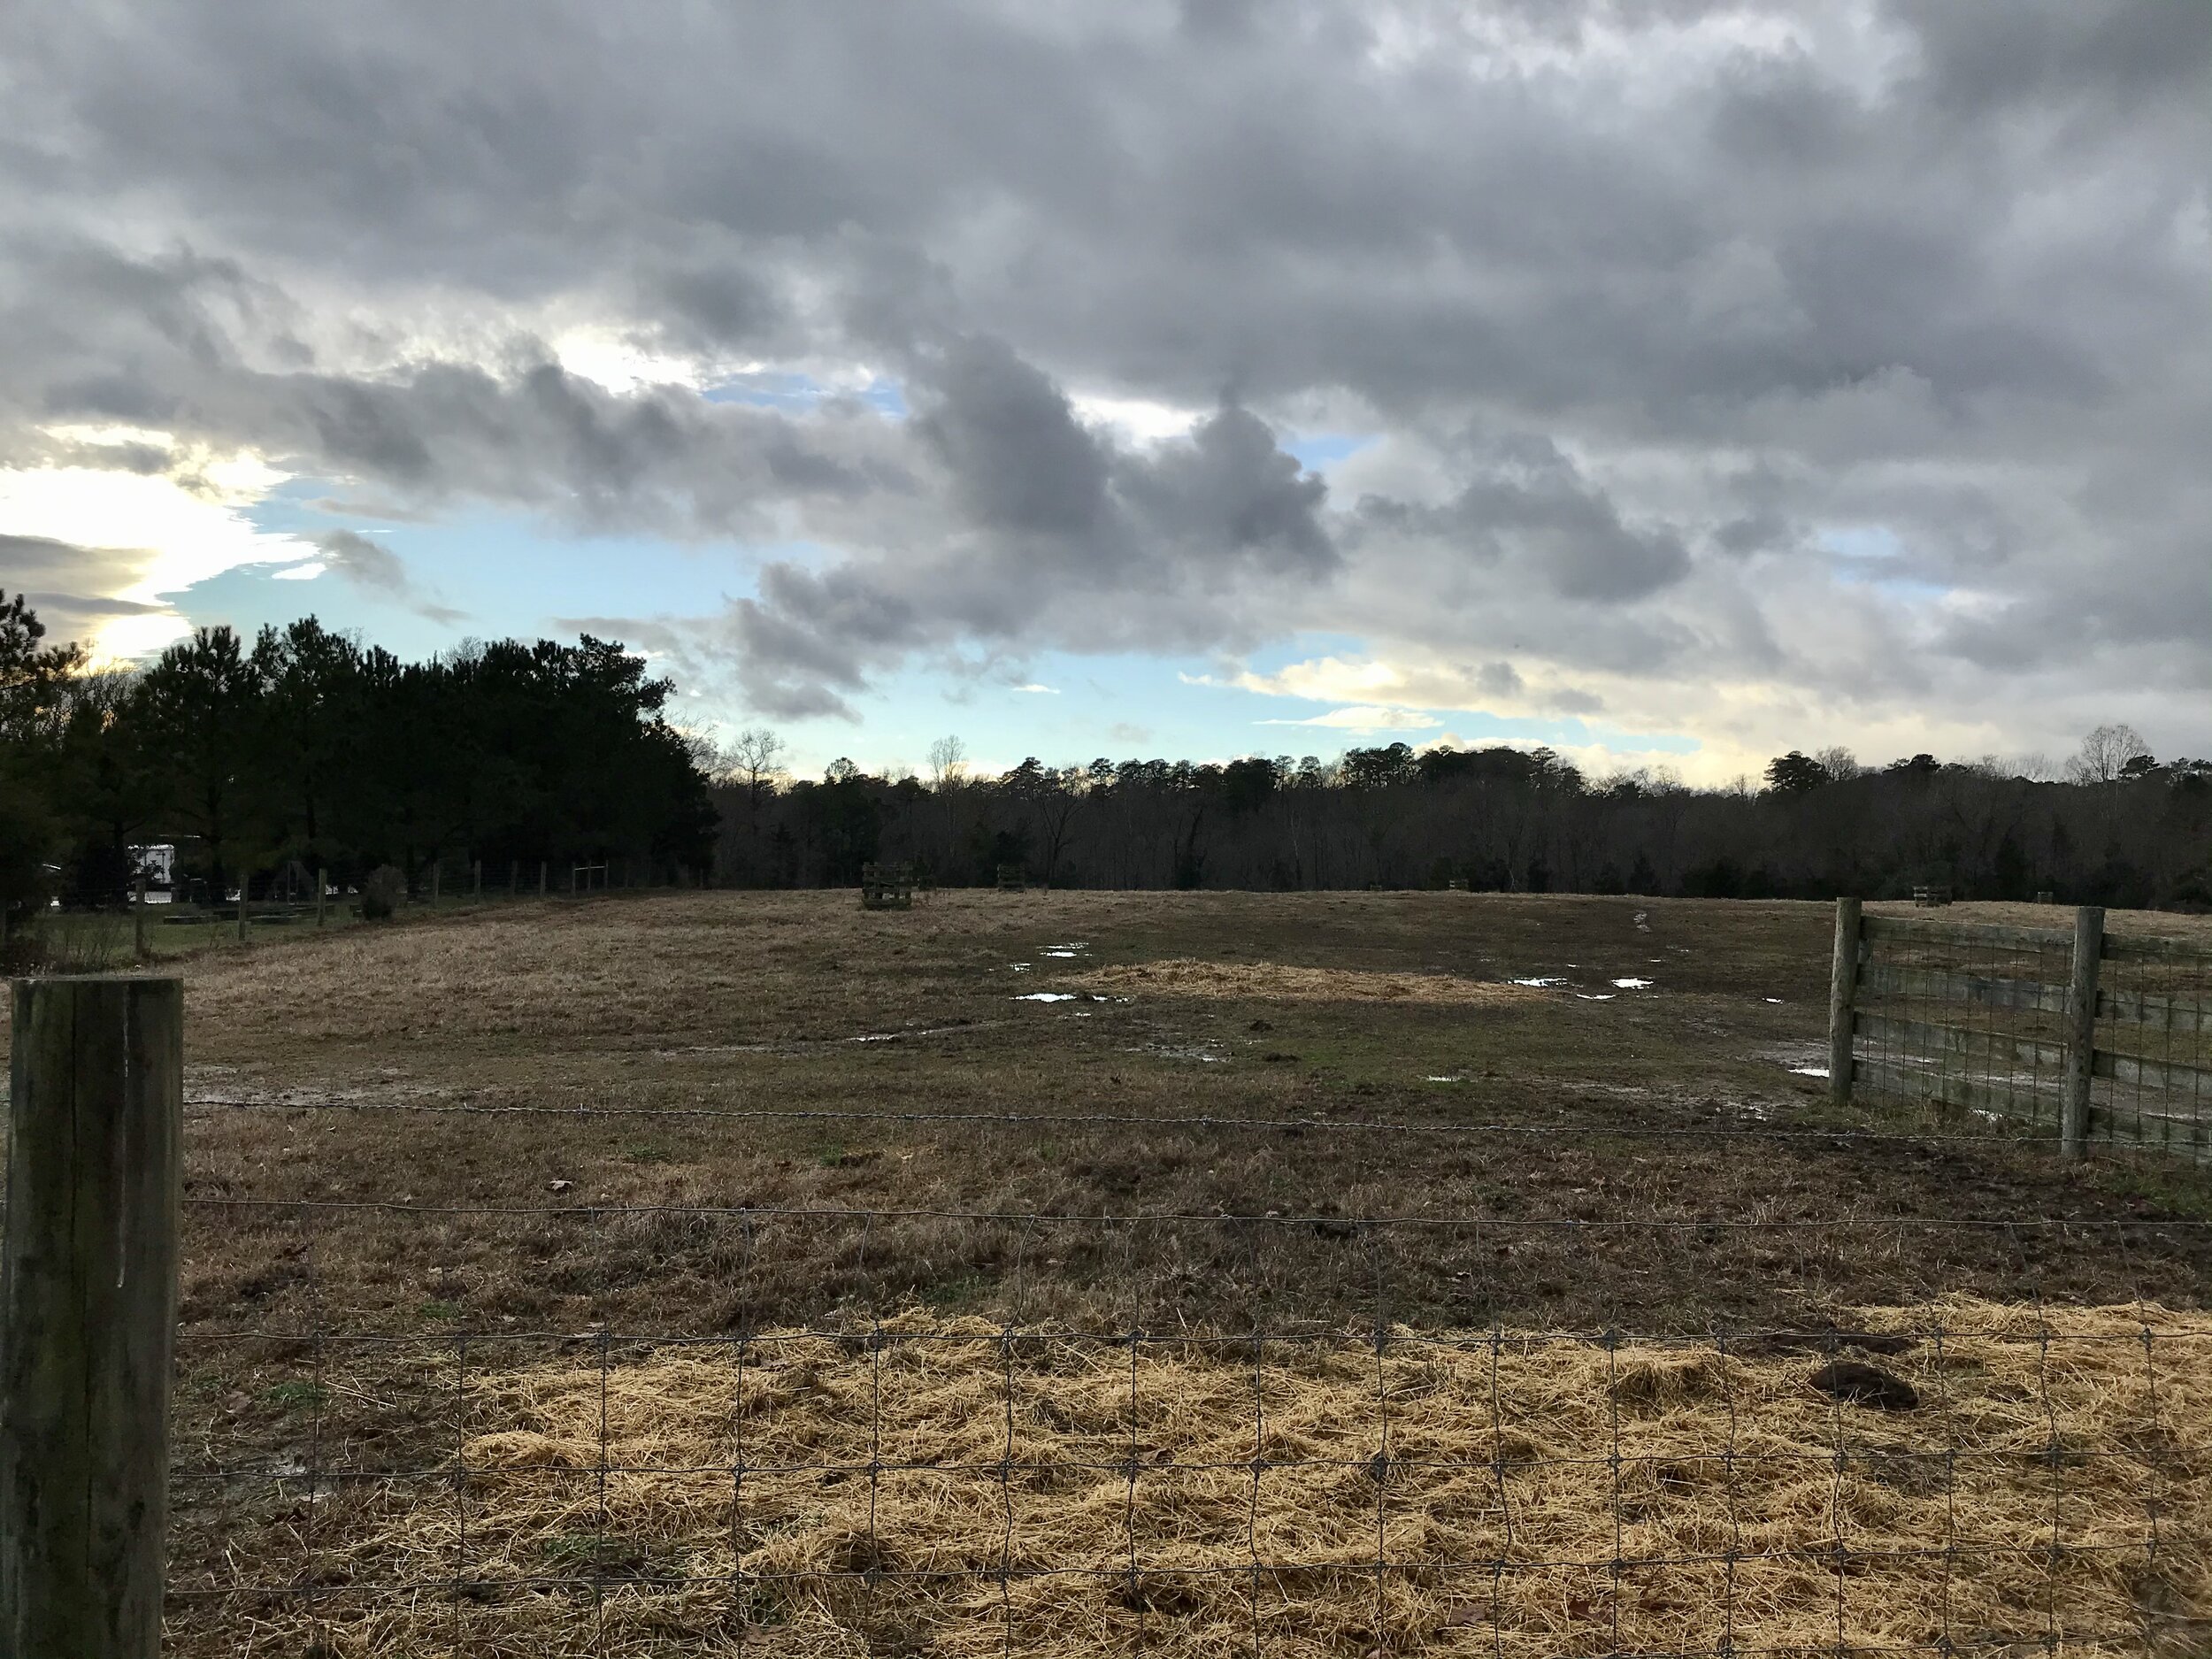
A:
x,y
1278,982
1531,1494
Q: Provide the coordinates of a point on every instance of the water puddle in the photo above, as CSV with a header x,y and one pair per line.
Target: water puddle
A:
x,y
1633,985
1045,996
1544,982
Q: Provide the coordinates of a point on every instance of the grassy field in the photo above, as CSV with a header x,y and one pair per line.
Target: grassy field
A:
x,y
448,1177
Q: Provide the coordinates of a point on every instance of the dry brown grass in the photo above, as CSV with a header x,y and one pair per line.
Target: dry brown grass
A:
x,y
1279,982
2055,917
439,1062
1075,1457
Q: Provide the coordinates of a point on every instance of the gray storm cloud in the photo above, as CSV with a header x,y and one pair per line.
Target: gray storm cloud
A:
x,y
1642,303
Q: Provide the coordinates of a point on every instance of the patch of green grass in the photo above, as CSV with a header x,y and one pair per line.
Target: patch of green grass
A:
x,y
648,1152
597,1555
2173,1184
440,1310
297,1395
960,1291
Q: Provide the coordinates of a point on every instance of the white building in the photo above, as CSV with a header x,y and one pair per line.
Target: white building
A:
x,y
157,864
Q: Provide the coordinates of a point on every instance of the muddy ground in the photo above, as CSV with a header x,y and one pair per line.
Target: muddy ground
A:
x,y
489,1137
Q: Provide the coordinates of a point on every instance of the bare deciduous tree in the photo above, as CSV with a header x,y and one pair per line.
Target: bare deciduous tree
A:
x,y
2105,753
755,759
947,761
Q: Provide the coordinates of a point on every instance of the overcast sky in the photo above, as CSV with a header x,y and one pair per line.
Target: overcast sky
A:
x,y
1670,382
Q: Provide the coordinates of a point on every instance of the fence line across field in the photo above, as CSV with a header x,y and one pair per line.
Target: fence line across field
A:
x,y
2089,1036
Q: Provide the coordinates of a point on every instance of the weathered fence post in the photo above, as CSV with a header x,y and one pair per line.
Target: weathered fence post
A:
x,y
138,918
322,888
1843,1000
2081,1031
245,886
437,875
476,880
541,877
88,1303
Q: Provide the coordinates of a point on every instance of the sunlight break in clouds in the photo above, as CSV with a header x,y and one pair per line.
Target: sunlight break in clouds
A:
x,y
145,536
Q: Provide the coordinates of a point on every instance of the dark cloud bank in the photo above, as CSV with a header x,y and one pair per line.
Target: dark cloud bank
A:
x,y
1646,300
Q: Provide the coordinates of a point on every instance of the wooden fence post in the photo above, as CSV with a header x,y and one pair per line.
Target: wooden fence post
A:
x,y
322,888
541,877
476,880
89,1309
1843,1000
2081,1032
245,886
437,876
138,920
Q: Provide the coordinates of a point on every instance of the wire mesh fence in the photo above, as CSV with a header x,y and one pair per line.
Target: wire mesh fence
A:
x,y
1979,1019
998,1431
969,1487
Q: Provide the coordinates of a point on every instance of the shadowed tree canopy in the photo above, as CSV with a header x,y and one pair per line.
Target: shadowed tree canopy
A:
x,y
304,744
1504,818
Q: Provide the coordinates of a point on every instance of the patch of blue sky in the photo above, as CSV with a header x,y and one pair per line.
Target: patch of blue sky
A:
x,y
1319,451
504,574
299,506
254,596
1871,556
795,393
1861,542
1063,708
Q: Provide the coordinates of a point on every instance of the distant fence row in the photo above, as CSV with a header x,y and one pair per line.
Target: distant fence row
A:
x,y
2099,1037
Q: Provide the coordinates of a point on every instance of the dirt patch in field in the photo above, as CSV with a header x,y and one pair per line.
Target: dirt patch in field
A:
x,y
1279,982
947,1487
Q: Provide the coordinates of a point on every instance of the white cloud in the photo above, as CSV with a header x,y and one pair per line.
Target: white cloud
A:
x,y
611,359
157,533
1135,420
1366,718
125,638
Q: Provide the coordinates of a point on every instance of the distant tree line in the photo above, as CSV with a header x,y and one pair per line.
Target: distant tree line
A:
x,y
304,748
2116,827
